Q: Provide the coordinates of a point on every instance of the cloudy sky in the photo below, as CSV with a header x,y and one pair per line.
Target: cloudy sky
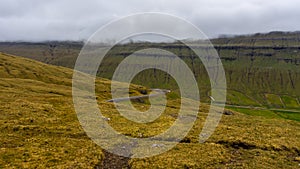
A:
x,y
37,20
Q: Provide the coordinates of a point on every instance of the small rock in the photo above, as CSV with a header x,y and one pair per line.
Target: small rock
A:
x,y
227,112
106,118
143,91
157,145
297,159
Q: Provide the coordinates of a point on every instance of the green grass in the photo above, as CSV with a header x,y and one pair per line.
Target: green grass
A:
x,y
257,112
40,129
274,100
268,113
289,115
238,98
290,102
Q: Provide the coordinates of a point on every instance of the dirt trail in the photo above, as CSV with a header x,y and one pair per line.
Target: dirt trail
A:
x,y
112,161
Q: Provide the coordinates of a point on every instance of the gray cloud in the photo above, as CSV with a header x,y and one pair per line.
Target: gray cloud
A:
x,y
36,20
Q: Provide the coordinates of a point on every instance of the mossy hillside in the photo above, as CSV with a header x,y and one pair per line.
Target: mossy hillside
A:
x,y
40,128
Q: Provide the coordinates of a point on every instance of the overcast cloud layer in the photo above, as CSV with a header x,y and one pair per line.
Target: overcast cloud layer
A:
x,y
37,20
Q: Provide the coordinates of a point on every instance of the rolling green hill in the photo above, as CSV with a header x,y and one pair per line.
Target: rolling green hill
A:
x,y
39,127
262,70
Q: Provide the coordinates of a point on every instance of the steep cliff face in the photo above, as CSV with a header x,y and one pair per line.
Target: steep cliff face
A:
x,y
252,72
255,65
262,63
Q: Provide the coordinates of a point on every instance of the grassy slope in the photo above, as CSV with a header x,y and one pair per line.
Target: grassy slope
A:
x,y
39,128
38,125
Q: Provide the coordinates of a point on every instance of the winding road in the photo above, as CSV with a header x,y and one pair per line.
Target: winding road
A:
x,y
158,92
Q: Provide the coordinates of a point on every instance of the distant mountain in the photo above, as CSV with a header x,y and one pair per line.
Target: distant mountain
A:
x,y
261,69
